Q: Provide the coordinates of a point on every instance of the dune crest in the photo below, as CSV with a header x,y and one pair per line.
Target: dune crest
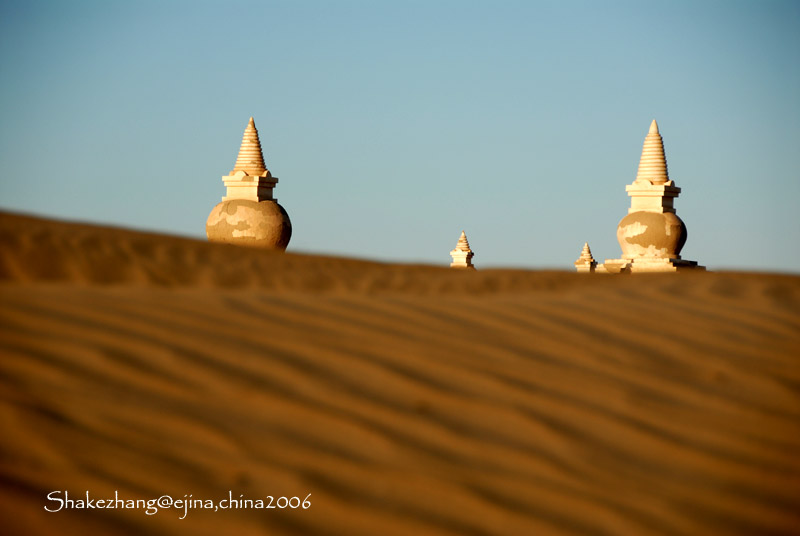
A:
x,y
404,399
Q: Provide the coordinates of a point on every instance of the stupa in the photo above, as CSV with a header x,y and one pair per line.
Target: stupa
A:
x,y
651,235
586,262
462,254
249,214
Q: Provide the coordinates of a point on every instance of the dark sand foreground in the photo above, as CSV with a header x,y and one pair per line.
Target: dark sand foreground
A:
x,y
404,399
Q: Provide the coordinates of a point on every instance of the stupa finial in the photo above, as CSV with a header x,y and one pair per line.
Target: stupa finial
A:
x,y
250,159
653,163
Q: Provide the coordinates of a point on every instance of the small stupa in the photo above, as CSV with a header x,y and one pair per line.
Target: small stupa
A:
x,y
462,254
586,263
249,214
651,235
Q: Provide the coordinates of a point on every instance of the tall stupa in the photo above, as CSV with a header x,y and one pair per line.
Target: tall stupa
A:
x,y
651,235
249,215
462,254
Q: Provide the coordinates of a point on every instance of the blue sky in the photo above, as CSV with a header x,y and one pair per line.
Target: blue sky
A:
x,y
394,125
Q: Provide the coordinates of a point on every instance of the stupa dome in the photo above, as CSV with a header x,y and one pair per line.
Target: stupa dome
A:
x,y
651,234
250,223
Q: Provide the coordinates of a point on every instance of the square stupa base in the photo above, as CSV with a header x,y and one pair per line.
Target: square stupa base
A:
x,y
647,265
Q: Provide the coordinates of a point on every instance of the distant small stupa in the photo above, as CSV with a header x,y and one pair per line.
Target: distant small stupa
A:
x,y
651,235
462,254
249,214
586,262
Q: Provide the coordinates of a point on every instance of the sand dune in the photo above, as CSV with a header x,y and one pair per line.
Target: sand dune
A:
x,y
404,399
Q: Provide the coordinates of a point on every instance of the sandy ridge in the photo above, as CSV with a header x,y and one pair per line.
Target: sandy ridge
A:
x,y
405,399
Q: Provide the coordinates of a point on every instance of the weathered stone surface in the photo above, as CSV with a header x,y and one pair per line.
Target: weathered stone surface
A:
x,y
651,234
250,223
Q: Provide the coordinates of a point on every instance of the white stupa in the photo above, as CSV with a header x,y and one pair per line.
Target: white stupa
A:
x,y
586,262
249,214
651,235
462,254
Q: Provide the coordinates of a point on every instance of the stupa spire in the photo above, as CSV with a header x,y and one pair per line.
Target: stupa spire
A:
x,y
463,243
653,163
250,159
586,253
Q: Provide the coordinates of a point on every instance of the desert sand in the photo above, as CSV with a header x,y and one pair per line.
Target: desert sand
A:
x,y
403,399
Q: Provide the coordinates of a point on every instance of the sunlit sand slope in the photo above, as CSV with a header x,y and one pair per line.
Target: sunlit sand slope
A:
x,y
405,400
34,250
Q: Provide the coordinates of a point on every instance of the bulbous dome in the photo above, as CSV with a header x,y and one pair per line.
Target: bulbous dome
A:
x,y
250,223
651,234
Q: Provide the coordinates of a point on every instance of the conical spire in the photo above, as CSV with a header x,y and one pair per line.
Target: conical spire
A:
x,y
653,164
585,263
586,253
463,243
250,159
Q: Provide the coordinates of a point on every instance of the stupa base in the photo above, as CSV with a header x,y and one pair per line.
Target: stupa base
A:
x,y
586,267
646,265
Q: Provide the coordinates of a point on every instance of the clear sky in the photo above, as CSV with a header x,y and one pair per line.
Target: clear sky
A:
x,y
394,125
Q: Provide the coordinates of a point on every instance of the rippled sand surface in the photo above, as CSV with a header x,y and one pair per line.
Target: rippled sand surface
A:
x,y
404,399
